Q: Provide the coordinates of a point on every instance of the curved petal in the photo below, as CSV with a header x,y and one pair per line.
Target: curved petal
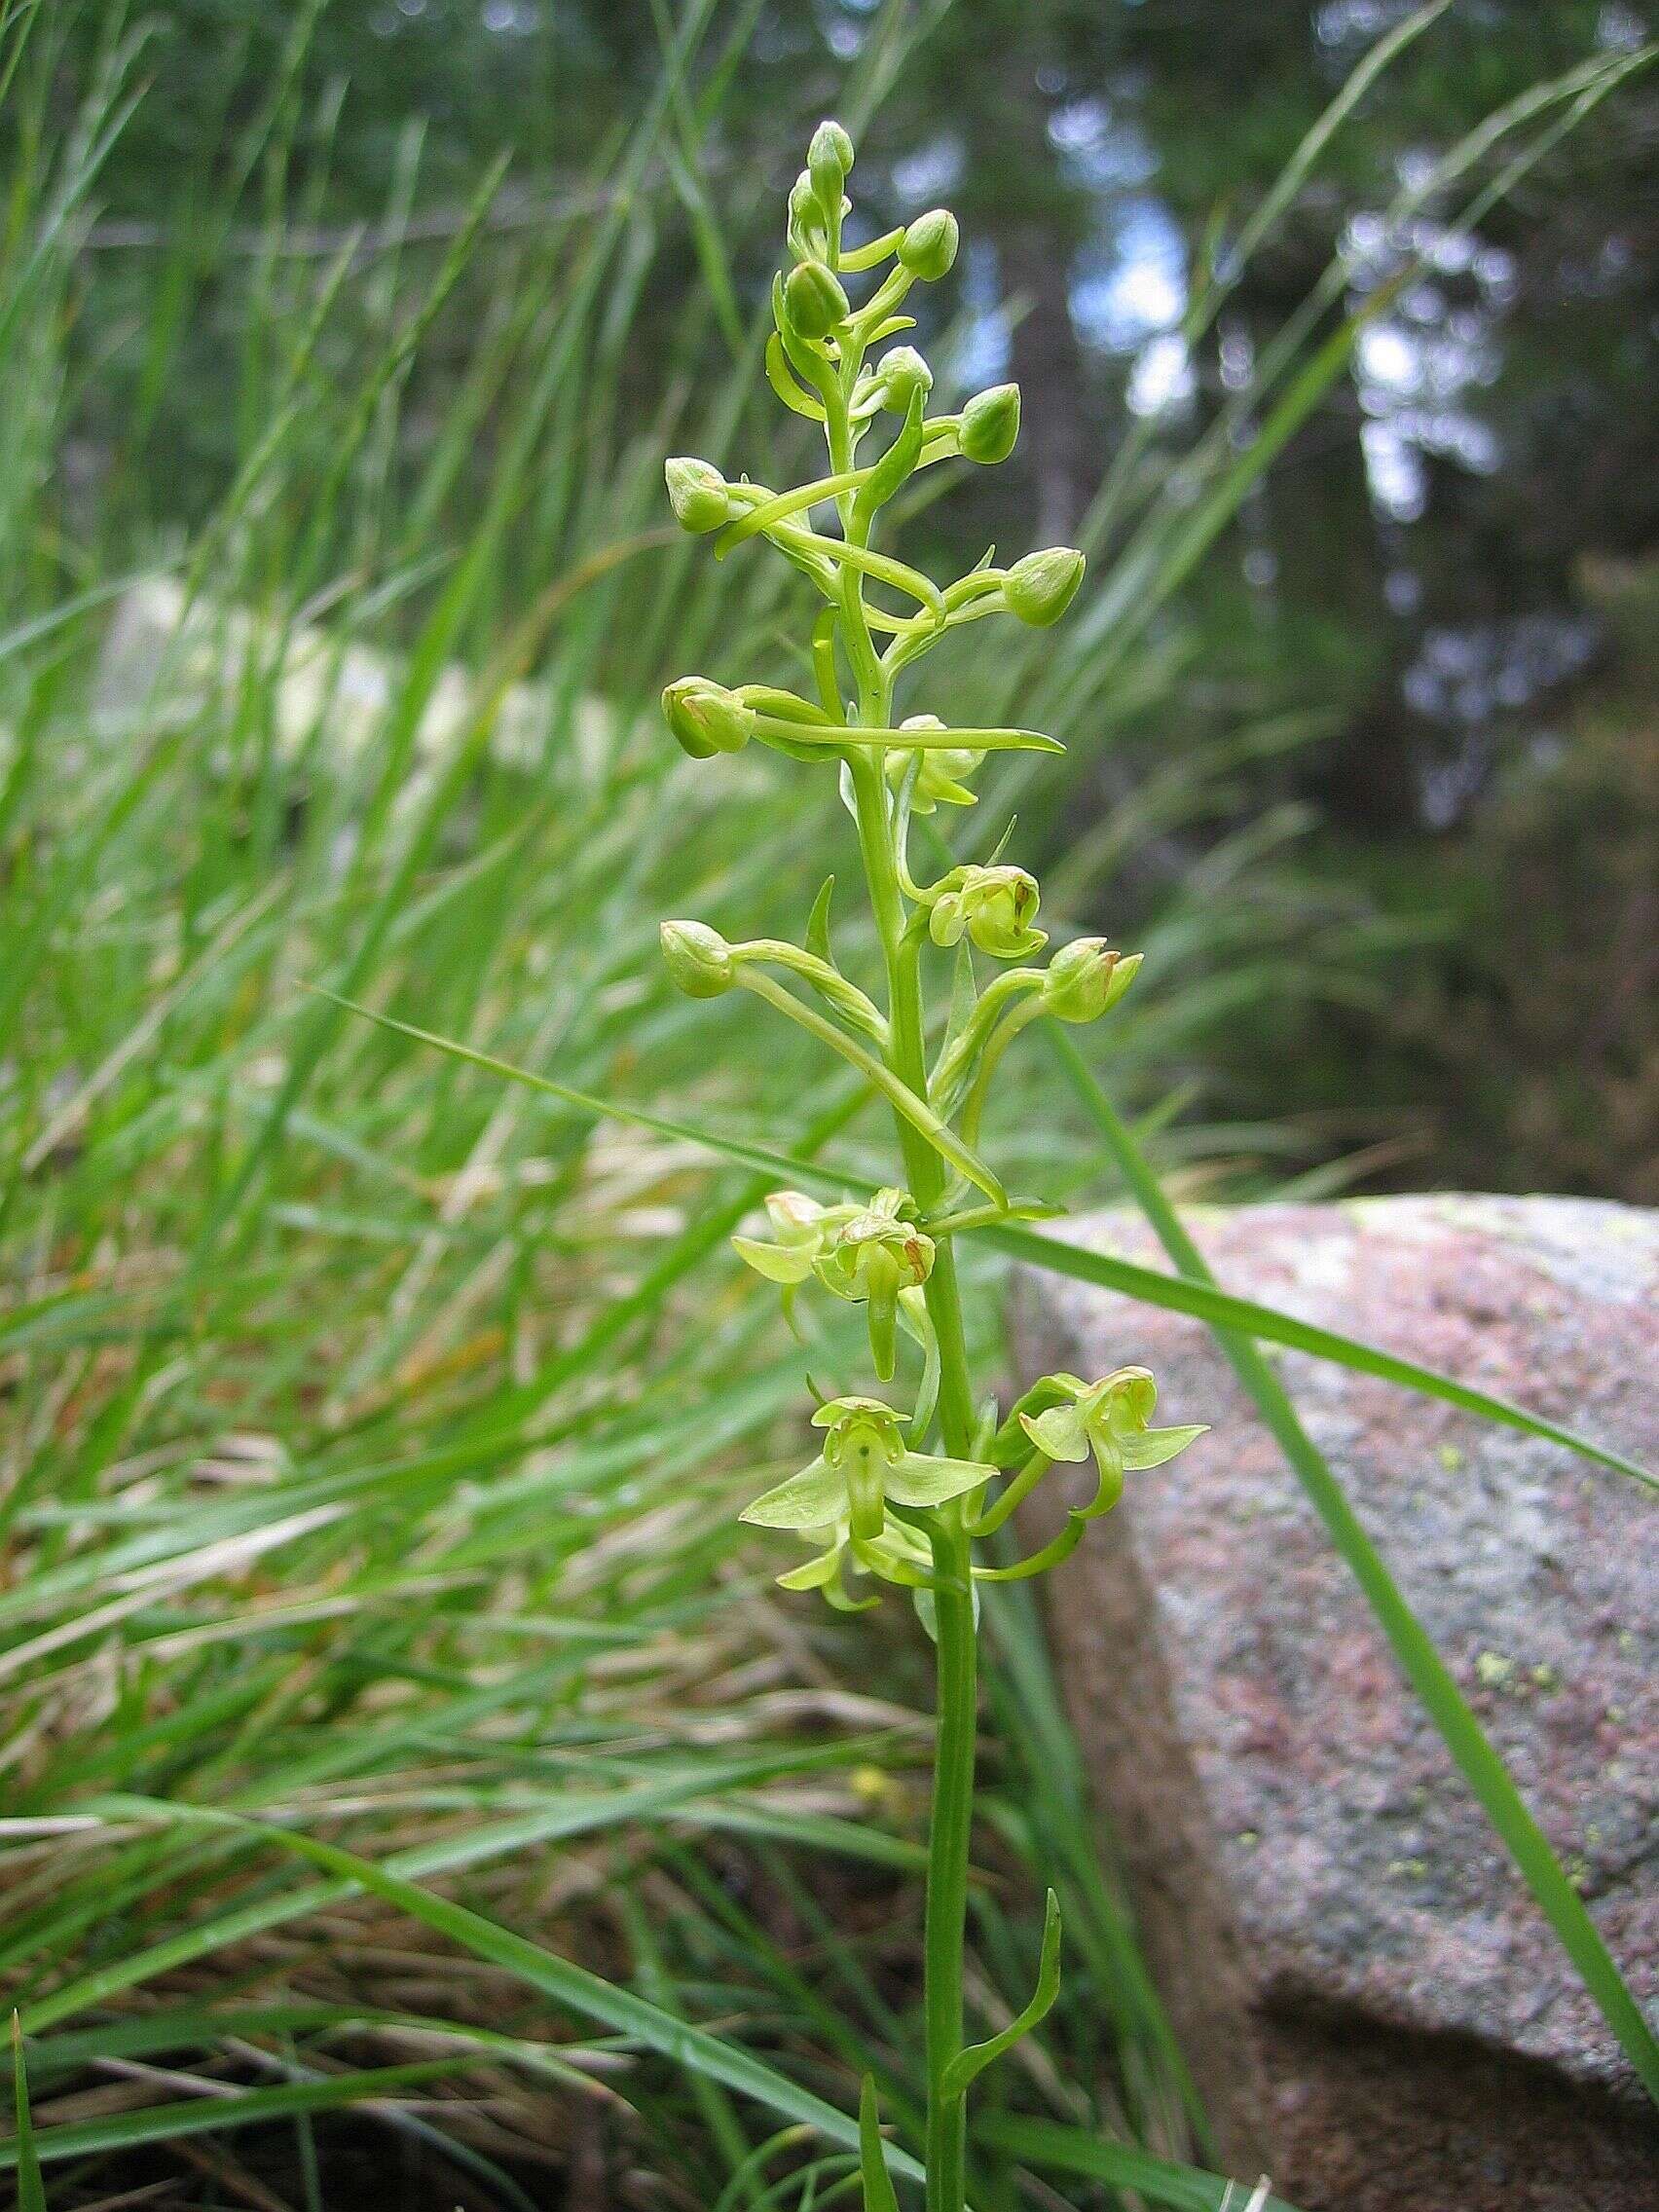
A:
x,y
1060,1432
836,1276
946,922
1129,1398
811,1499
1110,1487
776,1261
814,1573
1153,1445
836,1594
795,1218
919,1480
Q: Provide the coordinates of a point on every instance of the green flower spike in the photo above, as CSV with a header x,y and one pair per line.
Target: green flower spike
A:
x,y
864,1468
1109,1419
941,778
995,906
870,1259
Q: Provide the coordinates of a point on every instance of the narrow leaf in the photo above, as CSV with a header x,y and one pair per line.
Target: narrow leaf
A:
x,y
20,2151
818,923
1199,1296
1465,1739
1049,2145
972,2062
878,2192
587,1994
740,1153
199,2116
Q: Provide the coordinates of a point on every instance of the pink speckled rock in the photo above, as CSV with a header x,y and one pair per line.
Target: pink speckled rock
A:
x,y
1377,2012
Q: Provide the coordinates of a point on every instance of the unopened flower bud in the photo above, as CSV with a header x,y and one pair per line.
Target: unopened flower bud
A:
x,y
1084,979
827,159
706,718
1040,588
805,213
699,959
697,493
989,425
813,300
907,373
929,244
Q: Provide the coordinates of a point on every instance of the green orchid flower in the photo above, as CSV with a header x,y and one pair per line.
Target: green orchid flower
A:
x,y
940,778
865,1467
1110,1418
801,1229
995,906
871,1260
867,1255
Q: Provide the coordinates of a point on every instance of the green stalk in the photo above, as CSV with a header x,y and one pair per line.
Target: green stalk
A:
x,y
956,1697
950,1827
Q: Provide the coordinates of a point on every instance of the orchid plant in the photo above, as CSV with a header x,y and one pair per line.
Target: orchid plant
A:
x,y
909,1496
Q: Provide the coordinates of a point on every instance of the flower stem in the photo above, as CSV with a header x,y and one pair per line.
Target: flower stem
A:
x,y
951,1824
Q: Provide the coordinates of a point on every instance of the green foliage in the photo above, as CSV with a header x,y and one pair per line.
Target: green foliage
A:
x,y
376,1426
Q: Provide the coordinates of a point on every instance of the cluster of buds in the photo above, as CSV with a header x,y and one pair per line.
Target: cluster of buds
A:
x,y
871,1495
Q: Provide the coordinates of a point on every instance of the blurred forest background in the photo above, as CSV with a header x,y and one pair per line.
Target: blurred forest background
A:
x,y
1434,616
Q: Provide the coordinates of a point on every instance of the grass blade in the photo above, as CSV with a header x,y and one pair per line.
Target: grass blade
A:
x,y
740,1154
1465,1739
1048,2143
199,2116
560,1979
21,2151
1194,1290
